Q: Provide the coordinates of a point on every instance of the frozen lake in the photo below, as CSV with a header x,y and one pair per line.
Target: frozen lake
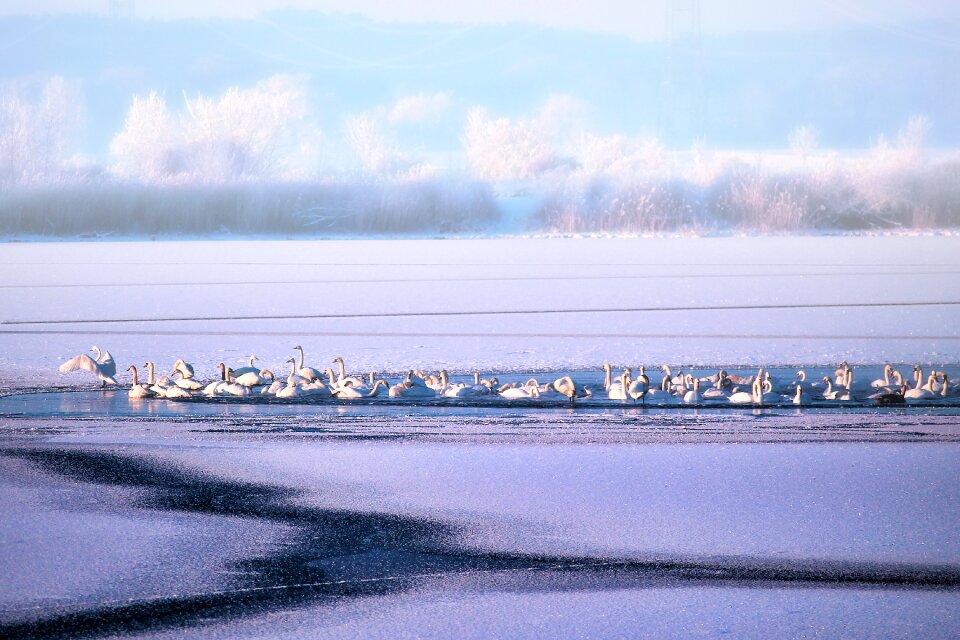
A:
x,y
573,303
392,519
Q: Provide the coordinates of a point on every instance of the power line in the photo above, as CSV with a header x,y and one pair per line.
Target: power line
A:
x,y
469,334
492,265
502,312
669,276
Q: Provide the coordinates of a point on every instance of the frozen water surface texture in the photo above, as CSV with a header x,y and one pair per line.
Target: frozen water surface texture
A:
x,y
388,517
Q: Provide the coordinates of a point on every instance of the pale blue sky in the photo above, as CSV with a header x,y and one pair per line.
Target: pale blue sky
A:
x,y
642,20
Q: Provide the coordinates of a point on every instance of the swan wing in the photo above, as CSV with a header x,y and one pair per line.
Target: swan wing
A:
x,y
107,365
82,362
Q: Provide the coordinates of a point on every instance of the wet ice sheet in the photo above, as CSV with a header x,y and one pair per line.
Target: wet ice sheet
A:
x,y
445,610
585,493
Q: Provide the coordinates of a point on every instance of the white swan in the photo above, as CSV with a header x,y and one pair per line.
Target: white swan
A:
x,y
242,371
639,387
289,391
306,372
231,388
918,392
160,386
742,397
295,378
767,394
316,388
618,390
413,387
254,378
343,380
798,398
693,396
102,365
187,383
885,381
841,393
173,392
351,393
138,390
519,392
570,389
213,388
186,370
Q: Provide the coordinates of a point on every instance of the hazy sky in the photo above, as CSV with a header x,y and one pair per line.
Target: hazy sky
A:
x,y
638,19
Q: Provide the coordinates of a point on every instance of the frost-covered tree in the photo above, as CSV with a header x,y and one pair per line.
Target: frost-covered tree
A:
x,y
34,134
245,133
148,146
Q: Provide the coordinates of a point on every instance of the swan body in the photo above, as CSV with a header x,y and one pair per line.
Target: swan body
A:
x,y
883,382
570,389
102,365
798,398
742,397
242,371
138,390
350,393
829,393
254,378
618,390
343,379
520,392
308,373
186,370
637,389
174,392
188,383
316,388
413,387
693,396
289,391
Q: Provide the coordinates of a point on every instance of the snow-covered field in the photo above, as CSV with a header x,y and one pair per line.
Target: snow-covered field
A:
x,y
162,519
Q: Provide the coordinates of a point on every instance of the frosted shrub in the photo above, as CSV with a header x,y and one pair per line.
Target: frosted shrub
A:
x,y
267,208
500,149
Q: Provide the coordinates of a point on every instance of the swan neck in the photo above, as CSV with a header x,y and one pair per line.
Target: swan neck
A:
x,y
134,369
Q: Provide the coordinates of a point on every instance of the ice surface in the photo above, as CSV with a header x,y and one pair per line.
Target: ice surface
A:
x,y
262,280
431,520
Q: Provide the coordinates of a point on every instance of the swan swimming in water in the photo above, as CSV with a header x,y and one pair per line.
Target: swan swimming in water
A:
x,y
306,372
241,371
102,365
693,395
351,393
138,390
343,380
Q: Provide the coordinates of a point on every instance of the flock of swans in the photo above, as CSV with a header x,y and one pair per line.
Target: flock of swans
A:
x,y
680,389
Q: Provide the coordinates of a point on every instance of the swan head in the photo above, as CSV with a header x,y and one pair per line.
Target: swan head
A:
x,y
291,360
338,360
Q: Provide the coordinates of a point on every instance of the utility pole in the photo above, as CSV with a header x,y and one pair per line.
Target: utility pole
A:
x,y
683,101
